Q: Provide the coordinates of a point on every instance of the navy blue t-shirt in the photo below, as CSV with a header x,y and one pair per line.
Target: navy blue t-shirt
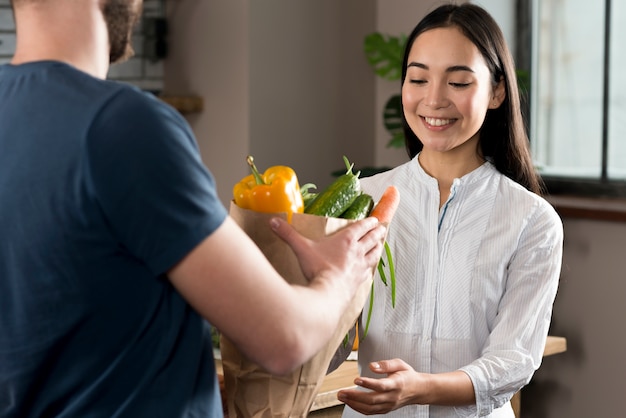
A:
x,y
102,190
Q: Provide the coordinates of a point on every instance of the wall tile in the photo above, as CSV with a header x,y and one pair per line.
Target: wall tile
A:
x,y
7,44
6,19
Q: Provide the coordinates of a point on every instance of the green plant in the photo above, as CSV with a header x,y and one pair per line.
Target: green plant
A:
x,y
384,53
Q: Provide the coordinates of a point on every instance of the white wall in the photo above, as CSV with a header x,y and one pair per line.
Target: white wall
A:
x,y
208,57
286,81
311,90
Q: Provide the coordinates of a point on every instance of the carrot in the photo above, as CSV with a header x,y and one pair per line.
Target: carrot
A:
x,y
387,205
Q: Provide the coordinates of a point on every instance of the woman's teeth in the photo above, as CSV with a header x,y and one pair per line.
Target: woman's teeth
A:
x,y
437,122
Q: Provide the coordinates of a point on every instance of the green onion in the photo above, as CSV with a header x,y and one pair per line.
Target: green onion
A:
x,y
383,278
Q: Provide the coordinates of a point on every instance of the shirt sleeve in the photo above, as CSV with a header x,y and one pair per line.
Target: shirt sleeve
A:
x,y
149,180
514,349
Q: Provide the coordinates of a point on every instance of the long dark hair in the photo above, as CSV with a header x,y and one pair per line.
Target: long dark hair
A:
x,y
503,137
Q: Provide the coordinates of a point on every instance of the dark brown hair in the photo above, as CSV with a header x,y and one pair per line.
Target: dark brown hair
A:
x,y
503,137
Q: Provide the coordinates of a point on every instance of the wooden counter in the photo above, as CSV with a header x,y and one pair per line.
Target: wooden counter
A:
x,y
343,378
554,345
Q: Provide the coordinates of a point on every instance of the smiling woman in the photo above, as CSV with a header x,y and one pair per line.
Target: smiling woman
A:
x,y
503,135
478,251
447,93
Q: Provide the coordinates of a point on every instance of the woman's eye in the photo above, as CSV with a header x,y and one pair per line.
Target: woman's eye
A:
x,y
459,85
417,81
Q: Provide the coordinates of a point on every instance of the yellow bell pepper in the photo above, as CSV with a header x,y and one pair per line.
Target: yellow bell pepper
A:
x,y
276,190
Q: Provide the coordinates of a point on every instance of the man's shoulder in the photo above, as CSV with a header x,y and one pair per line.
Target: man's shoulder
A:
x,y
130,102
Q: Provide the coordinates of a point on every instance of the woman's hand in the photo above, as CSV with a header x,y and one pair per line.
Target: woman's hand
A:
x,y
403,386
397,389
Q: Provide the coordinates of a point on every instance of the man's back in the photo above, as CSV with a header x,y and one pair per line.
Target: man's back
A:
x,y
90,174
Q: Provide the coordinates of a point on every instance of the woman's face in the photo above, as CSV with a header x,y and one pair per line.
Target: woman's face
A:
x,y
447,91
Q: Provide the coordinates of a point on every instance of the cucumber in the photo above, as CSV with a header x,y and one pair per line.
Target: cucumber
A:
x,y
360,208
337,197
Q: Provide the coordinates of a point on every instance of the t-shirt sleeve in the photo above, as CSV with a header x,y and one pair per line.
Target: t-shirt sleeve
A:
x,y
146,173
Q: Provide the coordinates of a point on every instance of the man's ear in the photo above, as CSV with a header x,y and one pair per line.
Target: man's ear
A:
x,y
499,94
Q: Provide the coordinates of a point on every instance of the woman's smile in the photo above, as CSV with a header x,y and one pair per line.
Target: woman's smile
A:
x,y
437,122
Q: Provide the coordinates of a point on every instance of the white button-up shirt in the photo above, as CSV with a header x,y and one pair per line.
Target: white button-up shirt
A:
x,y
476,281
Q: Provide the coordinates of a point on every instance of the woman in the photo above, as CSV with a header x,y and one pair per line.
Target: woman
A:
x,y
477,250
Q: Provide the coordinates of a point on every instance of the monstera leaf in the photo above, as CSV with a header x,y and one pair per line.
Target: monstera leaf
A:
x,y
392,118
384,54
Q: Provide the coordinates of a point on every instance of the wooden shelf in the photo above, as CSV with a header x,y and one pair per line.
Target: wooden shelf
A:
x,y
602,209
184,104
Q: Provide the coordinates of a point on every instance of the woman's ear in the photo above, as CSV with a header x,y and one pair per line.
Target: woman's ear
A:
x,y
499,94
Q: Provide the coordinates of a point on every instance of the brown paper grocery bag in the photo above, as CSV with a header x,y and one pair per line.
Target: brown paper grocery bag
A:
x,y
250,390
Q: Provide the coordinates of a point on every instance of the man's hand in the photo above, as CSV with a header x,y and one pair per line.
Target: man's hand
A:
x,y
352,252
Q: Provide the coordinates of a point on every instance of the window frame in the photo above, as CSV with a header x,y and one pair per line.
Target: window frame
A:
x,y
603,186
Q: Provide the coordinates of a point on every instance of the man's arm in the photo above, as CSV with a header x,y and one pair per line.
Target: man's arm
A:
x,y
228,280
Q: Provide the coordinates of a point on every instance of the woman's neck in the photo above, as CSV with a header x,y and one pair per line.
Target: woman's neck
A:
x,y
447,166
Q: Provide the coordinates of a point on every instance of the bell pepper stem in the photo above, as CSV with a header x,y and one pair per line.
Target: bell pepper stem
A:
x,y
255,172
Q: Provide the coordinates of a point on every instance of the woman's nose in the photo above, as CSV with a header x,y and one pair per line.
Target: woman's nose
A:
x,y
436,96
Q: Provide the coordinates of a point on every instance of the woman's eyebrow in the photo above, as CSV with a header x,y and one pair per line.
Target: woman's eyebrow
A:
x,y
459,68
451,69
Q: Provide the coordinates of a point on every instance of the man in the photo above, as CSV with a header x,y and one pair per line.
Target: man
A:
x,y
115,247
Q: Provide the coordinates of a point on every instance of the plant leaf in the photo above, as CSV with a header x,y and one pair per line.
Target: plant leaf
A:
x,y
392,274
392,114
392,119
369,312
381,271
397,141
384,54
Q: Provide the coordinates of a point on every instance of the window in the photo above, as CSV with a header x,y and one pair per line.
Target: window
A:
x,y
578,98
